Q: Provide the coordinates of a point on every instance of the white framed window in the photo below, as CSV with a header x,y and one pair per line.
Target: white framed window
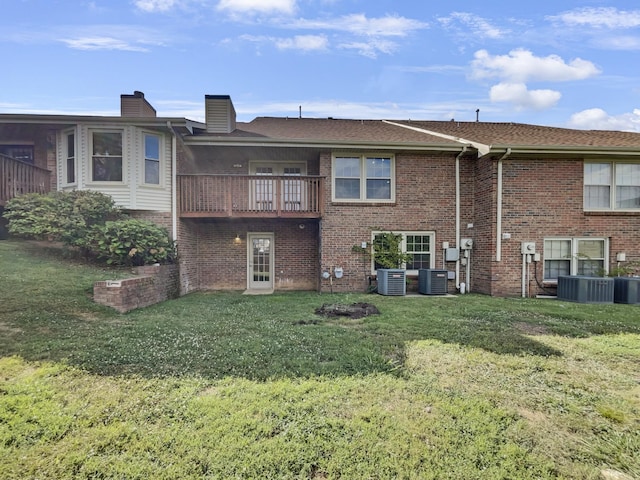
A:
x,y
363,178
69,157
419,245
611,186
575,256
152,158
106,156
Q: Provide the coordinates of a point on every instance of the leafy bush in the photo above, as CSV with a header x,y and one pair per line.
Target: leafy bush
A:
x,y
61,216
131,242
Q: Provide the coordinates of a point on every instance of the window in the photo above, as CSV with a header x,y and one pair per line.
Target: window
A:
x,y
611,186
70,158
363,178
106,156
24,153
417,245
574,256
152,159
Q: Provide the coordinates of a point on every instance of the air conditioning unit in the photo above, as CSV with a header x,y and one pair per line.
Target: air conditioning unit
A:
x,y
432,282
392,281
626,290
585,289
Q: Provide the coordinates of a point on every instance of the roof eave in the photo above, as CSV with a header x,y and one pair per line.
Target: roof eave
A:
x,y
564,150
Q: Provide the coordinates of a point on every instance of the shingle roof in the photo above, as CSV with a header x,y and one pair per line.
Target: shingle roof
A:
x,y
338,130
513,134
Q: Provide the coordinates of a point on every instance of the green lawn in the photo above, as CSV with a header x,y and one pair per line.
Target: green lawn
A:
x,y
221,385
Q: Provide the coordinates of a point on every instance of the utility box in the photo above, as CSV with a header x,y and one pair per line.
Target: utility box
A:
x,y
585,289
432,282
626,290
392,281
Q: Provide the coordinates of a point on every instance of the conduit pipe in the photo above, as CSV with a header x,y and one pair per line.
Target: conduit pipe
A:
x,y
499,207
464,150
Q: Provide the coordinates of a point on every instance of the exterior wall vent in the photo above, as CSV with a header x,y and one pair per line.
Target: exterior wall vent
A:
x,y
626,290
220,116
432,282
392,282
585,289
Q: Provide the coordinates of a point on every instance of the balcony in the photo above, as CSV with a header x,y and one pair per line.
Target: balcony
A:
x,y
257,196
18,178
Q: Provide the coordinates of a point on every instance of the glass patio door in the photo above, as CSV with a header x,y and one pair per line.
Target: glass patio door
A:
x,y
260,261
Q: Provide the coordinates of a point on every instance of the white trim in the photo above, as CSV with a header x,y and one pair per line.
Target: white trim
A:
x,y
362,157
573,258
124,156
612,186
403,245
266,285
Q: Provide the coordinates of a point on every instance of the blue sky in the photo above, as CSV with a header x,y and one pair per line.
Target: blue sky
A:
x,y
562,63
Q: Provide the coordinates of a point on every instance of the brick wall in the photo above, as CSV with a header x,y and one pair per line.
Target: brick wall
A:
x,y
425,201
153,284
221,262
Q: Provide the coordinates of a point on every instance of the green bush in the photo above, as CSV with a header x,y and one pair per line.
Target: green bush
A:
x,y
131,242
61,216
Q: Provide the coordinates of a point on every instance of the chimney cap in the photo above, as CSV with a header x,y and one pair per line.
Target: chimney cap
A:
x,y
217,97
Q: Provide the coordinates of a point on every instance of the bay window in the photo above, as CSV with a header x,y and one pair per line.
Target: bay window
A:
x,y
106,156
152,159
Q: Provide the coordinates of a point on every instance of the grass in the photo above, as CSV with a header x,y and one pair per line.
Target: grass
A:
x,y
221,385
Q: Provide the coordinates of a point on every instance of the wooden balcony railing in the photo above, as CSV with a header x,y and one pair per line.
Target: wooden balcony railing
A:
x,y
18,178
250,196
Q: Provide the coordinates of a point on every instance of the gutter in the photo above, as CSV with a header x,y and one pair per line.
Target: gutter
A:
x,y
174,183
464,150
499,207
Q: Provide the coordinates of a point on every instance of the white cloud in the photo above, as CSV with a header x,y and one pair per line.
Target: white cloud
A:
x,y
303,42
619,43
598,119
370,48
154,5
478,25
522,98
359,24
101,43
521,65
258,6
608,17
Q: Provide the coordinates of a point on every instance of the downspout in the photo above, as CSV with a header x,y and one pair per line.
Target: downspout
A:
x,y
464,150
174,183
499,208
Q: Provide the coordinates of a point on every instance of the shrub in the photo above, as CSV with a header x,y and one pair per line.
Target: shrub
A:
x,y
62,216
131,242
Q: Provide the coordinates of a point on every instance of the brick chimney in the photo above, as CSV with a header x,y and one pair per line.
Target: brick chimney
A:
x,y
220,116
135,106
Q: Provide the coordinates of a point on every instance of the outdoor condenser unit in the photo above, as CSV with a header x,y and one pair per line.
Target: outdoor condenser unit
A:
x,y
585,289
392,282
626,290
432,282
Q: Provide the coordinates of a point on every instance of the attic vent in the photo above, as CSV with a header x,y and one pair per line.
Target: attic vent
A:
x,y
220,116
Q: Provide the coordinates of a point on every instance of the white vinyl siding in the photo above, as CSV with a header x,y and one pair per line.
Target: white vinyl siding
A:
x,y
132,192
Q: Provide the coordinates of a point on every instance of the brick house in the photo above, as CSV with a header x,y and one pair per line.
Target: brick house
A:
x,y
274,203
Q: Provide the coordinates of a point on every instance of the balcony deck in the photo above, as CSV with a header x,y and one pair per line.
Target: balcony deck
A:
x,y
253,196
18,178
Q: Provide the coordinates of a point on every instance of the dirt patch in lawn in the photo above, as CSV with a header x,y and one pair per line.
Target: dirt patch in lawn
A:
x,y
531,328
354,310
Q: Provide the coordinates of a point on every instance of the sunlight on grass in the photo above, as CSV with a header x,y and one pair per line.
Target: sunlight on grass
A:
x,y
222,385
